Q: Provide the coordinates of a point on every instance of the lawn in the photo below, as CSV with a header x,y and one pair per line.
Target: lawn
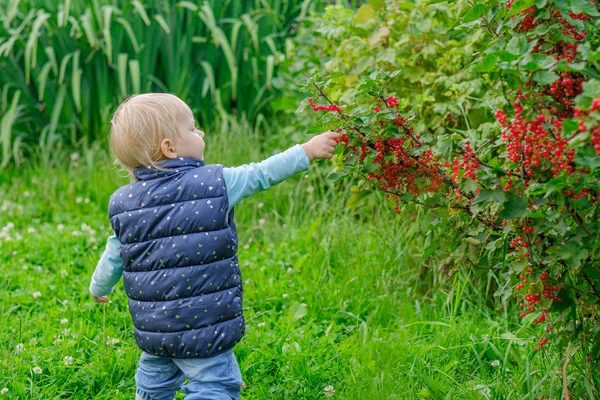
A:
x,y
333,296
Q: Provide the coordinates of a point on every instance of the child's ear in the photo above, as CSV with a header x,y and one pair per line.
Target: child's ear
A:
x,y
167,148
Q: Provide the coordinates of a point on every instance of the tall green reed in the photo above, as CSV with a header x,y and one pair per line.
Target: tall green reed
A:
x,y
64,65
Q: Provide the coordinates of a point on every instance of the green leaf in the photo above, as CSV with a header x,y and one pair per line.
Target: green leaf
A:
x,y
520,5
505,55
314,129
569,126
486,65
494,196
377,4
297,311
594,57
336,175
591,89
364,13
423,24
533,62
542,29
545,77
474,13
514,207
583,6
302,106
284,103
565,301
592,272
591,162
572,252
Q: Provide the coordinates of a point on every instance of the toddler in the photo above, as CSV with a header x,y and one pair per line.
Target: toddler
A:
x,y
175,245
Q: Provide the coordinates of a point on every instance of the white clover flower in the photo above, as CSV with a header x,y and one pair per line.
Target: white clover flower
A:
x,y
37,370
60,227
329,391
495,363
112,341
32,341
290,270
260,205
68,360
310,189
74,156
285,295
86,200
64,321
76,233
261,222
35,295
66,332
78,200
4,391
31,230
261,324
27,193
57,340
20,348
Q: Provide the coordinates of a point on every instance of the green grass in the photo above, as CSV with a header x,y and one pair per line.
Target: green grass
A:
x,y
332,296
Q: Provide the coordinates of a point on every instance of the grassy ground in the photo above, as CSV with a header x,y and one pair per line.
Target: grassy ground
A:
x,y
330,298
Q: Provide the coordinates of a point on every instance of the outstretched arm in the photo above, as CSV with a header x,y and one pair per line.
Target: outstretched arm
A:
x,y
248,179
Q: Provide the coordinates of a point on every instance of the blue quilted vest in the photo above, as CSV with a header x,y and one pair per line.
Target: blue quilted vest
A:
x,y
178,246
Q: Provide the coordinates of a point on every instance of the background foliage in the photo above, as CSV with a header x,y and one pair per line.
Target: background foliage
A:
x,y
64,65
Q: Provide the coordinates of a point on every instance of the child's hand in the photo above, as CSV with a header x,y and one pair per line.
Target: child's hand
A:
x,y
101,299
321,146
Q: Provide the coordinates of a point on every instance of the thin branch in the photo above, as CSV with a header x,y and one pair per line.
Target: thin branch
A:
x,y
577,218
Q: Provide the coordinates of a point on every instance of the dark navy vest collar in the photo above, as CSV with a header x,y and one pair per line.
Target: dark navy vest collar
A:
x,y
173,166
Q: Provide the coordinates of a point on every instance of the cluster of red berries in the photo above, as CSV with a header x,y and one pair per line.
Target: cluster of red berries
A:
x,y
530,142
549,292
401,122
468,163
596,140
401,171
533,301
528,23
564,91
567,28
536,145
319,107
391,101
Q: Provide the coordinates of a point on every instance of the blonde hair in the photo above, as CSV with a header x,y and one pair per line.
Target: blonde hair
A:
x,y
140,124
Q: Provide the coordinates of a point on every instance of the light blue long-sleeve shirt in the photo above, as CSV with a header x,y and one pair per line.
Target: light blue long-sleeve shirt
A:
x,y
241,182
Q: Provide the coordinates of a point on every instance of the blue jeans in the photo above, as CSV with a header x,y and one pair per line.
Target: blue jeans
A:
x,y
214,378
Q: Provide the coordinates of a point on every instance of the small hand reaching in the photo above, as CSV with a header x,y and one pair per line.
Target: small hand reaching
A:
x,y
100,299
321,146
